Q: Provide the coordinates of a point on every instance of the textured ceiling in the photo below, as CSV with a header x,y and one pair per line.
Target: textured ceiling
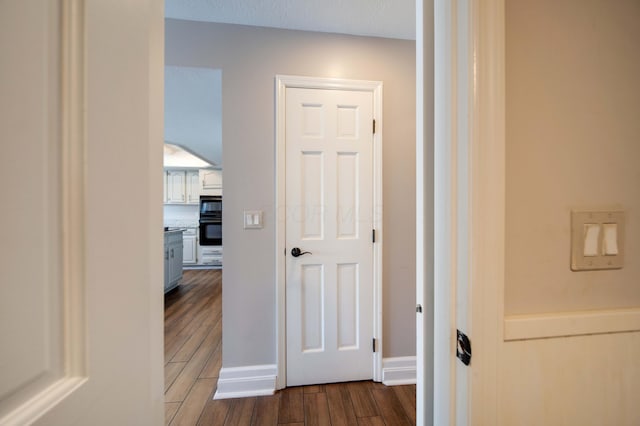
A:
x,y
377,18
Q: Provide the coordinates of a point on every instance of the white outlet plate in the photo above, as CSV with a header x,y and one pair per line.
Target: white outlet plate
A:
x,y
598,260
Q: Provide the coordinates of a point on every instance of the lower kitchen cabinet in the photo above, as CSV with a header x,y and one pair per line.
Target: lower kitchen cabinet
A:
x,y
190,246
172,259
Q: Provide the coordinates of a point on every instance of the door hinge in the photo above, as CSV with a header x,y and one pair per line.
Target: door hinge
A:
x,y
373,344
374,127
373,235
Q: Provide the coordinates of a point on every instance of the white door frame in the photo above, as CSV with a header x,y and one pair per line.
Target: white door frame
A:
x,y
375,87
469,207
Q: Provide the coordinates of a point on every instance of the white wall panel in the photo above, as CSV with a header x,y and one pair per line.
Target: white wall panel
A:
x,y
581,380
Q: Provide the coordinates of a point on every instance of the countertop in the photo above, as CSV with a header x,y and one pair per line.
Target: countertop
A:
x,y
173,230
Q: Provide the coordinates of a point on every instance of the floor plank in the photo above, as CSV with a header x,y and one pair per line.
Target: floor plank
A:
x,y
390,407
214,412
266,411
241,412
171,371
170,410
291,408
363,403
316,409
191,409
371,421
189,374
340,405
407,396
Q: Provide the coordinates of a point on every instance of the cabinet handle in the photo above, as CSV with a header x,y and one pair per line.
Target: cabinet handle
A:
x,y
166,255
172,253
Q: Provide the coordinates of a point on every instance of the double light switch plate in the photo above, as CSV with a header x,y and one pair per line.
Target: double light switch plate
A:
x,y
597,240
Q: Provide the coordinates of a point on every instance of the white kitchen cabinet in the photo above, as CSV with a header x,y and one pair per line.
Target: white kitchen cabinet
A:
x,y
172,259
193,186
211,180
182,187
190,246
176,187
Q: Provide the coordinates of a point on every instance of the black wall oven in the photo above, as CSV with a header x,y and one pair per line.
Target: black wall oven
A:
x,y
210,220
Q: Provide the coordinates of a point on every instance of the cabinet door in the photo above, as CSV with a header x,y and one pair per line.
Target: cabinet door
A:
x,y
189,250
166,267
193,187
211,181
176,186
175,262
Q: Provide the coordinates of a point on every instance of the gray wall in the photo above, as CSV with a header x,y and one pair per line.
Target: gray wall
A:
x,y
250,58
573,128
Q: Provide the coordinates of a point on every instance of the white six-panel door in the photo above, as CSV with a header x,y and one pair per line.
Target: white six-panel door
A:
x,y
329,193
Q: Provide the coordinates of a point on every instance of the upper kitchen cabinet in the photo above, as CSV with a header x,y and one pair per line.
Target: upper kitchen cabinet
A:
x,y
182,187
211,180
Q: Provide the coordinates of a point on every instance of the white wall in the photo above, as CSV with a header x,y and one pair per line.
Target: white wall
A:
x,y
572,108
250,58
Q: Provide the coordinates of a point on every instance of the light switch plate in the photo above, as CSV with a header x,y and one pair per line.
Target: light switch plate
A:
x,y
585,260
253,219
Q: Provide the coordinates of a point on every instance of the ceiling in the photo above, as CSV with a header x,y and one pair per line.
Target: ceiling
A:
x,y
193,111
376,18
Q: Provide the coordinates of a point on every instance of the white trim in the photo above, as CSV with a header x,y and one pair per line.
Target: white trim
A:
x,y
563,324
424,211
469,197
487,173
375,87
444,213
74,150
399,371
38,405
242,382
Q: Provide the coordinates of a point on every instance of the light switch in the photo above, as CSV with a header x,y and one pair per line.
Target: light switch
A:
x,y
591,238
610,239
253,219
597,240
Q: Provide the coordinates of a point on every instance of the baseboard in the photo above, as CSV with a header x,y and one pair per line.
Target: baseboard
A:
x,y
399,371
242,382
564,324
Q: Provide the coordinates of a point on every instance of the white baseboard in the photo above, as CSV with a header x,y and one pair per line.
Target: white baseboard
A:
x,y
564,324
242,382
399,371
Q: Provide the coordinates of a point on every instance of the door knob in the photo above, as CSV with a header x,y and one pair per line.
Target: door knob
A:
x,y
295,252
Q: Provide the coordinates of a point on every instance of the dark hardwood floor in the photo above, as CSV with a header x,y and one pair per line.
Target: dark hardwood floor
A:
x,y
193,357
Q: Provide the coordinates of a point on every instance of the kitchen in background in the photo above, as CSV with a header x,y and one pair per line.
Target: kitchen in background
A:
x,y
192,171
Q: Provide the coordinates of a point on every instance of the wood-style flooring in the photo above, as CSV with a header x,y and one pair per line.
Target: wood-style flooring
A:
x,y
193,357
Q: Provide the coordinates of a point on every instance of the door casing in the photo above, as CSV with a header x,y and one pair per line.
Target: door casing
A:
x,y
469,210
375,87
